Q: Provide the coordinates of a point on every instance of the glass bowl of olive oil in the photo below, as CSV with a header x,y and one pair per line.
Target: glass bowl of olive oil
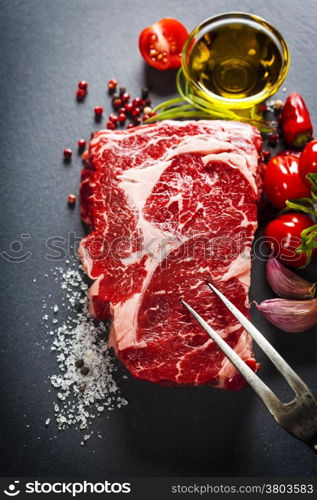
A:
x,y
235,61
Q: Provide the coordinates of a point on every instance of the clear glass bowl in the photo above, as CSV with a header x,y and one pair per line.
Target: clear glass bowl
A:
x,y
233,48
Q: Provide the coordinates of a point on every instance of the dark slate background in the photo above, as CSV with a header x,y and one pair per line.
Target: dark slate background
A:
x,y
47,46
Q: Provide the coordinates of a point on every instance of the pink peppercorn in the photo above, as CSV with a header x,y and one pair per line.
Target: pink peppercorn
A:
x,y
129,107
117,103
81,143
136,112
122,117
112,84
80,94
71,198
67,153
98,110
138,102
83,84
125,97
113,118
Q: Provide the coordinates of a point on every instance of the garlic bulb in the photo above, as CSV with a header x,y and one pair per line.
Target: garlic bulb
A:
x,y
291,316
286,283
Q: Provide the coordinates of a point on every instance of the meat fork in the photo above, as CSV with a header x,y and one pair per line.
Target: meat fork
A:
x,y
299,416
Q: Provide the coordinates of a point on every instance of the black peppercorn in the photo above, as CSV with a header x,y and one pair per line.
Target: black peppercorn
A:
x,y
79,363
85,370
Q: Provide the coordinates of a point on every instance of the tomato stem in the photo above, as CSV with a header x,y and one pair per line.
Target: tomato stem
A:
x,y
308,206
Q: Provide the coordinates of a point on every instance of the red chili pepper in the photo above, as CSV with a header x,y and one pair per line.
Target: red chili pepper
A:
x,y
296,122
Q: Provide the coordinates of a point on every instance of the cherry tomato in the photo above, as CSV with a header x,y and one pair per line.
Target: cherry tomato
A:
x,y
308,161
282,180
283,236
161,44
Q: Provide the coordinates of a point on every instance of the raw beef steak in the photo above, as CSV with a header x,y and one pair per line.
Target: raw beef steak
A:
x,y
171,206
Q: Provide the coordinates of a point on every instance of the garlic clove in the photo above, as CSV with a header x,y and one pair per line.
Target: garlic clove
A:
x,y
291,316
286,283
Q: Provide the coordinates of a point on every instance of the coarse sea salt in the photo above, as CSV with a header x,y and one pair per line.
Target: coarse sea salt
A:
x,y
80,397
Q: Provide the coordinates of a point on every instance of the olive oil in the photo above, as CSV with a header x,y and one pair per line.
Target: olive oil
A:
x,y
236,58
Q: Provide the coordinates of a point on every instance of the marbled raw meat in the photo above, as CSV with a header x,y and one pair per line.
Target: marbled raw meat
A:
x,y
171,206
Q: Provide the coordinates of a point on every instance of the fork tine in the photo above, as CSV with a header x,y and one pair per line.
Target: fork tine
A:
x,y
263,391
292,378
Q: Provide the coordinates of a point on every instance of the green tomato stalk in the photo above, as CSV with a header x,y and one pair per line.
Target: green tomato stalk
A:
x,y
307,206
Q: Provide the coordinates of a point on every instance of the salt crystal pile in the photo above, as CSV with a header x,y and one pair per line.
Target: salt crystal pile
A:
x,y
85,382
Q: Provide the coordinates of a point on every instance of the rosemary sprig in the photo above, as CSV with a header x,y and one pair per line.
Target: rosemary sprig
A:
x,y
189,105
